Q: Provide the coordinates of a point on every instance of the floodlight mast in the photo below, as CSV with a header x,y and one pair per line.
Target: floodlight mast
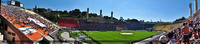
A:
x,y
190,6
196,5
0,7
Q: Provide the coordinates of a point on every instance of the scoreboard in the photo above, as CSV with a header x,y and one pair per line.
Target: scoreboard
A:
x,y
16,3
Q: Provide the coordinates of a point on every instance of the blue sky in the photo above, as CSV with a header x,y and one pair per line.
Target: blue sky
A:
x,y
166,10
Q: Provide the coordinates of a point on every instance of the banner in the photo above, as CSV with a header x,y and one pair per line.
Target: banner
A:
x,y
36,22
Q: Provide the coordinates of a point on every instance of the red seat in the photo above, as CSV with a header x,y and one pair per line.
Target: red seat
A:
x,y
68,23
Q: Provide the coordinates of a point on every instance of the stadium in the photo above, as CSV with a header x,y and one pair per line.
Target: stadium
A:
x,y
20,25
37,29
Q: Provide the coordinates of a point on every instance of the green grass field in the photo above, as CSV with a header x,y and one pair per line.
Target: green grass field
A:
x,y
114,37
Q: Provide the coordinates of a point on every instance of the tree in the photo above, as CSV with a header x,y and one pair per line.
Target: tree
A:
x,y
49,10
93,15
65,12
106,17
132,20
83,14
75,12
121,19
180,20
54,15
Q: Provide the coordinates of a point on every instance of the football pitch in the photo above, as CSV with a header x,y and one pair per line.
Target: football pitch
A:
x,y
115,37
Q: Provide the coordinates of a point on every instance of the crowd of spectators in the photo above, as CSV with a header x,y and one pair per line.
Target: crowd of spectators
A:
x,y
22,16
187,33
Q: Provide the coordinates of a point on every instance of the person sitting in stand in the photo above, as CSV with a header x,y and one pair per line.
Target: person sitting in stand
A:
x,y
30,33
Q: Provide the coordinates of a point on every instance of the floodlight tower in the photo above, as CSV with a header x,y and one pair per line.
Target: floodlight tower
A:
x,y
196,5
0,7
87,13
111,15
101,13
190,6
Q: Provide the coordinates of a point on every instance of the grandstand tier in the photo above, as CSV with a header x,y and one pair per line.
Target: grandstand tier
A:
x,y
32,26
